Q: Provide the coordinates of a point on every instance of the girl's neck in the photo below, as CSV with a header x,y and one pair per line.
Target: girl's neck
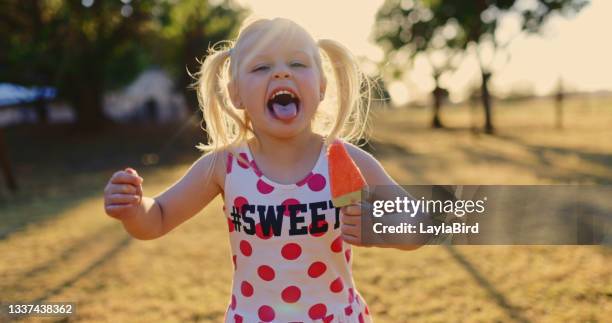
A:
x,y
287,160
287,151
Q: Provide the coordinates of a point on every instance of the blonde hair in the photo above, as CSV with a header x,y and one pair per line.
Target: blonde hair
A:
x,y
226,126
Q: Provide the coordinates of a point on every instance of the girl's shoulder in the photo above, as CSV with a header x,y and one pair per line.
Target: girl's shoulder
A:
x,y
215,164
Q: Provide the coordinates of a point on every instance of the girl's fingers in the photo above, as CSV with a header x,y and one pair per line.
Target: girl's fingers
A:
x,y
122,199
353,209
352,239
126,178
117,210
350,230
350,220
122,189
131,170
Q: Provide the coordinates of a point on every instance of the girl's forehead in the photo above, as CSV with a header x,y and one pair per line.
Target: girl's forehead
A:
x,y
261,45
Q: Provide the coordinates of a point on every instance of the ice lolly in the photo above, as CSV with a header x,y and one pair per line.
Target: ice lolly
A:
x,y
346,179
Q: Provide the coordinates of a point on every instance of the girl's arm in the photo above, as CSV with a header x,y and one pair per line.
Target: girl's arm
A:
x,y
154,217
375,175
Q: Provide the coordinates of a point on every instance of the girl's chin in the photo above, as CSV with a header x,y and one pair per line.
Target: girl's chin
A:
x,y
284,130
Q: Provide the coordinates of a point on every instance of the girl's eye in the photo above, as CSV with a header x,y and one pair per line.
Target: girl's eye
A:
x,y
260,68
297,64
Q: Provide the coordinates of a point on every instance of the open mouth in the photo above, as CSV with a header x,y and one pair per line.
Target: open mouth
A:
x,y
284,104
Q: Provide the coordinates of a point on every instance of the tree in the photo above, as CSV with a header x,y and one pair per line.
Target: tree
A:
x,y
73,45
425,38
87,47
188,29
476,23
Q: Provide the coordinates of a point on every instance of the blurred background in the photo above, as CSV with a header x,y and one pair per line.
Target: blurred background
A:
x,y
472,92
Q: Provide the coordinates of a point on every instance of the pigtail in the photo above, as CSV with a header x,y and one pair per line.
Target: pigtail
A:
x,y
224,125
353,93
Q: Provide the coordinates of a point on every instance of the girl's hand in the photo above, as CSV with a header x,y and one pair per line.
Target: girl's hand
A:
x,y
123,194
350,226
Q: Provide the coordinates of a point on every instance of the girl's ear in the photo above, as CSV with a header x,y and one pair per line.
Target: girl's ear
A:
x,y
232,89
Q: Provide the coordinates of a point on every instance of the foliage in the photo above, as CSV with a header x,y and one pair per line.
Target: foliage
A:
x,y
187,30
422,26
87,47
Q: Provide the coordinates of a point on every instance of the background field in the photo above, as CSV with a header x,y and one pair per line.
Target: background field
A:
x,y
57,245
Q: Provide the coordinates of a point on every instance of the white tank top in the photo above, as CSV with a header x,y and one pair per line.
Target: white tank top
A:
x,y
290,263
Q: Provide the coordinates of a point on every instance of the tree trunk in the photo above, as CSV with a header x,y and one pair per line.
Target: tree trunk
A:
x,y
5,163
559,97
41,111
193,49
88,104
437,100
559,115
486,103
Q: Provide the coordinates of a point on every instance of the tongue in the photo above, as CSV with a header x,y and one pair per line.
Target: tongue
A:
x,y
285,112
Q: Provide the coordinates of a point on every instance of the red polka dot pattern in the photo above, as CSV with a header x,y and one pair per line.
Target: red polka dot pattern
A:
x,y
317,311
239,202
266,313
336,245
246,289
291,294
304,180
245,248
259,232
318,234
256,168
316,269
241,163
228,166
264,188
266,272
291,251
230,225
348,310
289,270
287,203
336,286
316,182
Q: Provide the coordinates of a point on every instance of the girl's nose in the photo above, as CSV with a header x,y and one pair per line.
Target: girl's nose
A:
x,y
283,74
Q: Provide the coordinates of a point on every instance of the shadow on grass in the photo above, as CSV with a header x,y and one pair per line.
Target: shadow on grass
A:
x,y
481,280
407,159
543,153
66,255
24,210
56,169
106,257
543,168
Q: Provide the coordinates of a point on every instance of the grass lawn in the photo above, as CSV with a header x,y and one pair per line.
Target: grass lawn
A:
x,y
57,244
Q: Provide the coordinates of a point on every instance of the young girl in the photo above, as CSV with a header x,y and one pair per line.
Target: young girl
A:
x,y
268,132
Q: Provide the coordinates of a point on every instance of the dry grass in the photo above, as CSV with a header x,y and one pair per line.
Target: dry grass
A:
x,y
77,254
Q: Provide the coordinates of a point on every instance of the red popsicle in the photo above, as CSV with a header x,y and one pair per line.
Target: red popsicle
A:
x,y
345,176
